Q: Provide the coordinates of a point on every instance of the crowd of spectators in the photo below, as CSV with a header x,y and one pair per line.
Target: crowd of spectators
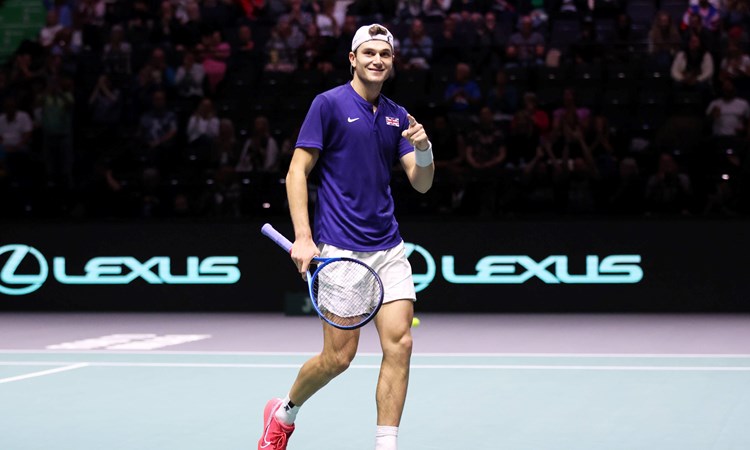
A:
x,y
185,108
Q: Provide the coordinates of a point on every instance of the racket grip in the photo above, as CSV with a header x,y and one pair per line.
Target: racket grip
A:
x,y
277,237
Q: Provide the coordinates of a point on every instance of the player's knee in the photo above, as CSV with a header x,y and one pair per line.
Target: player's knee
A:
x,y
399,347
338,363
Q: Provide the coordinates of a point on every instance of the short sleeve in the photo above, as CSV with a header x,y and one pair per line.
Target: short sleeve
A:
x,y
312,131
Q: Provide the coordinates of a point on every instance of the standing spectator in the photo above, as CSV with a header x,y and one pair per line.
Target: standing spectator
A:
x,y
526,47
663,39
416,51
57,130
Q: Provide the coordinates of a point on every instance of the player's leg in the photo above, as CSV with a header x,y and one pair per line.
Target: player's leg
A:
x,y
393,323
339,348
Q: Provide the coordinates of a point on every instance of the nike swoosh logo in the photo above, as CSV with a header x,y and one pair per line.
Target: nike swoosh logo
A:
x,y
350,120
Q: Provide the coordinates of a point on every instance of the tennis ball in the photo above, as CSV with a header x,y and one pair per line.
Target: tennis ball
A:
x,y
415,322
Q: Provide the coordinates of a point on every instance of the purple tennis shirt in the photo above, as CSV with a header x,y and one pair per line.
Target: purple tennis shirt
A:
x,y
358,148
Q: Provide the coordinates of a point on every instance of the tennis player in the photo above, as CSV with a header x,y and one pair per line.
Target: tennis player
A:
x,y
353,135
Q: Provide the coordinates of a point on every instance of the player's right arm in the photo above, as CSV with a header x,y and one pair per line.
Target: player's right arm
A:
x,y
304,248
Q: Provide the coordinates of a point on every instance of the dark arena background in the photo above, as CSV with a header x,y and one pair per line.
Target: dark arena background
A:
x,y
580,262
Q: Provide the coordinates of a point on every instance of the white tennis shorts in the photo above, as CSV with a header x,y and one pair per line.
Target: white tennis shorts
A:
x,y
391,266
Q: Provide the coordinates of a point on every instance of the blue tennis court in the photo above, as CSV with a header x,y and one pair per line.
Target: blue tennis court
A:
x,y
160,381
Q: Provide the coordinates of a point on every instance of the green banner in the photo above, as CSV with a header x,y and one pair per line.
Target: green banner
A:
x,y
19,20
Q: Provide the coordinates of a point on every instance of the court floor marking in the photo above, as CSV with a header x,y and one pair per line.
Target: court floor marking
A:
x,y
43,373
372,366
419,354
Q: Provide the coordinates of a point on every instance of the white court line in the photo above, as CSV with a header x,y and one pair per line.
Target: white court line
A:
x,y
43,372
377,366
439,354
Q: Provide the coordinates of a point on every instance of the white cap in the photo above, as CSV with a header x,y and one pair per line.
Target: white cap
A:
x,y
364,34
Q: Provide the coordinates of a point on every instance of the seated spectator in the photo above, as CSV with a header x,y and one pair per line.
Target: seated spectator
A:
x,y
260,152
696,27
297,18
15,137
190,77
325,19
166,27
157,130
225,150
105,104
245,54
729,114
524,140
735,13
282,47
570,106
191,27
526,47
489,41
215,59
668,190
203,126
485,153
538,116
416,50
693,67
628,194
436,10
313,54
51,27
502,98
450,45
707,12
408,10
663,39
587,48
735,67
57,130
117,54
463,93
160,72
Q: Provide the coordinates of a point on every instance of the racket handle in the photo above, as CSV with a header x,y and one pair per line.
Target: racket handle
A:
x,y
277,237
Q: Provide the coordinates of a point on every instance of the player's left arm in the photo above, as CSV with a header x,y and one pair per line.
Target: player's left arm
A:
x,y
420,175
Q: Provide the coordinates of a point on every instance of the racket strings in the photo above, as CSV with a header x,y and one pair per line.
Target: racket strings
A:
x,y
346,291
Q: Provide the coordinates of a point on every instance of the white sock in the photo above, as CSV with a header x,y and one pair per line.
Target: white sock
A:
x,y
286,414
386,438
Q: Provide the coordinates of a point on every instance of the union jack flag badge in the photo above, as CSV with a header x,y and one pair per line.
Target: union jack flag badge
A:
x,y
392,121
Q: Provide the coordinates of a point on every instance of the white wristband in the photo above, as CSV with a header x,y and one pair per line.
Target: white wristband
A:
x,y
423,157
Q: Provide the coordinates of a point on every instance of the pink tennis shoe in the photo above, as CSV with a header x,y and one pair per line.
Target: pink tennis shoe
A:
x,y
275,433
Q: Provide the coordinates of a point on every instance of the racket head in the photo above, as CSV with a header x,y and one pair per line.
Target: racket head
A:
x,y
345,292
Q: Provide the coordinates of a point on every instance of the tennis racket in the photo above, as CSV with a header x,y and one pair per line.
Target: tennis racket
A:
x,y
345,292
